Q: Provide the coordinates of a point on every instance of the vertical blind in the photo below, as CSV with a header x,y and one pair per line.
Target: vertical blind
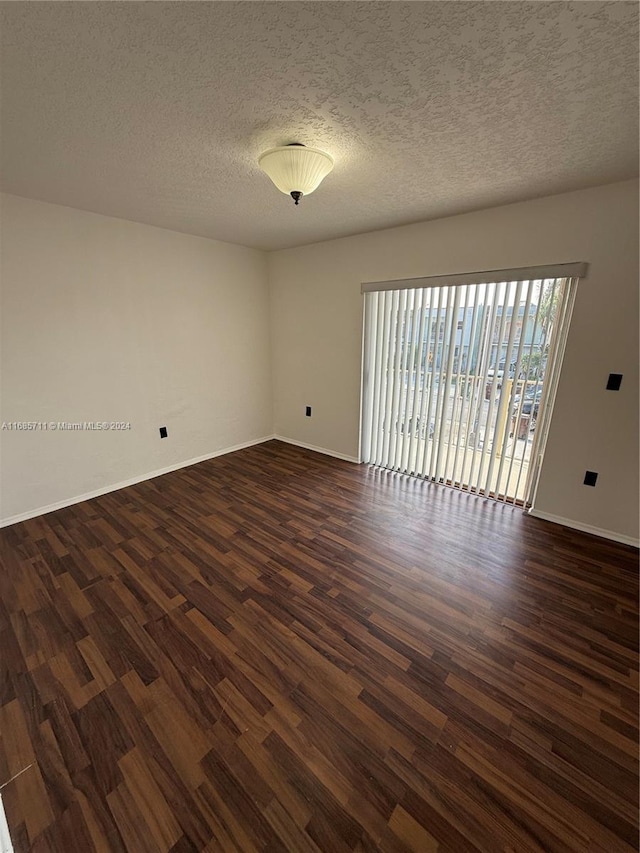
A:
x,y
459,375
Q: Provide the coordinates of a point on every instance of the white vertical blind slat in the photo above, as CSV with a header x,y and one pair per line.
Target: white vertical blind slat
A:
x,y
435,358
507,393
489,320
537,325
390,312
417,377
522,386
470,320
427,389
398,379
556,352
486,459
404,427
375,374
369,378
448,391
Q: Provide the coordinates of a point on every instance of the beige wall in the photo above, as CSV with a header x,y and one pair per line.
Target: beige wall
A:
x,y
316,321
109,320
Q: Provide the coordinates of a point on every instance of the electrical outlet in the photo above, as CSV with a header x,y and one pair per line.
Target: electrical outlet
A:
x,y
308,411
614,382
590,478
163,432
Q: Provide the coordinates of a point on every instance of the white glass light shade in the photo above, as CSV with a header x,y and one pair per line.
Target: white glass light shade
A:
x,y
296,168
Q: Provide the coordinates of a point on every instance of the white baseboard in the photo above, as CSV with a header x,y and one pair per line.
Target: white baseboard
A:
x,y
317,449
585,528
114,487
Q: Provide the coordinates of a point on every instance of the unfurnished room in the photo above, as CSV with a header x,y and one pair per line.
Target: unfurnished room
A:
x,y
319,440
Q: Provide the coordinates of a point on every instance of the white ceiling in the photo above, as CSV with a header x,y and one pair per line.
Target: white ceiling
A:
x,y
157,111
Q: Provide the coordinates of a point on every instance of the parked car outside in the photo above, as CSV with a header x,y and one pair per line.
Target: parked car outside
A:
x,y
525,414
531,401
419,430
492,373
497,376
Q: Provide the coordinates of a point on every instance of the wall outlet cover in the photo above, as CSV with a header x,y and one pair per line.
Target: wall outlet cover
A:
x,y
614,382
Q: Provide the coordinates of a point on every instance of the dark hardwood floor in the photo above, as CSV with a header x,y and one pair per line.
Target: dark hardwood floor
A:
x,y
275,650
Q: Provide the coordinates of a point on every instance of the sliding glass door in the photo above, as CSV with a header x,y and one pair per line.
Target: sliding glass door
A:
x,y
459,378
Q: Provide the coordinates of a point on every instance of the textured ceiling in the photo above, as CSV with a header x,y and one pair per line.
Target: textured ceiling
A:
x,y
157,111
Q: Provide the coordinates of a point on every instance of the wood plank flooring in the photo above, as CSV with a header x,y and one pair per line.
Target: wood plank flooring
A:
x,y
279,651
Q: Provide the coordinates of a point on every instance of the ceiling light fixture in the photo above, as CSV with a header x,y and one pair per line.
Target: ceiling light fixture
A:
x,y
295,169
